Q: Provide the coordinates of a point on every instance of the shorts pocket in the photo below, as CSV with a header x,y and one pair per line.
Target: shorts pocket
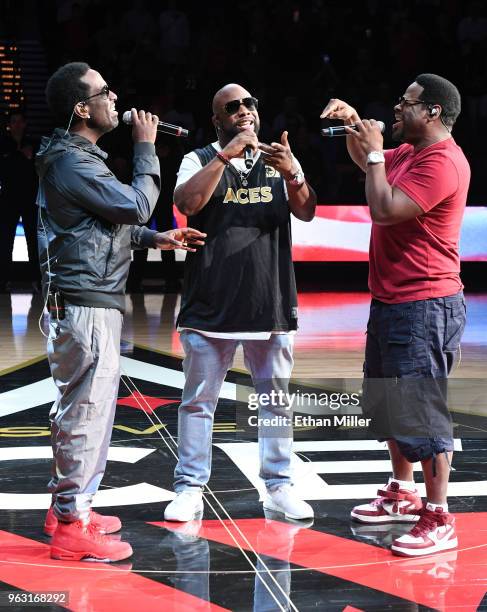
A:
x,y
454,326
400,327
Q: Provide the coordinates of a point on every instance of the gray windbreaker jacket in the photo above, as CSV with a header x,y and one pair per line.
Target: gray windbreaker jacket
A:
x,y
88,220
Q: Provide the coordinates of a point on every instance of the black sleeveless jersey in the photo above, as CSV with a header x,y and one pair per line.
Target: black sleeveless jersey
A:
x,y
243,278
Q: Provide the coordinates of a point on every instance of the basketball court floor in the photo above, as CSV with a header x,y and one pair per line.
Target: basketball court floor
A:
x,y
236,557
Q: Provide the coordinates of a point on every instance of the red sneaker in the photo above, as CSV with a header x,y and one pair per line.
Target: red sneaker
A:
x,y
76,541
104,524
434,532
394,505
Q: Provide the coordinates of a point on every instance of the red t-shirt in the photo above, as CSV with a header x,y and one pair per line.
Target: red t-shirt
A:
x,y
419,259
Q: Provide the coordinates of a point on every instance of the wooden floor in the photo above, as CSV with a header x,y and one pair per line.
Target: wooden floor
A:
x,y
329,343
332,564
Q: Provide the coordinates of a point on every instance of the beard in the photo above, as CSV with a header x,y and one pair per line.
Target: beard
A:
x,y
234,130
105,126
398,135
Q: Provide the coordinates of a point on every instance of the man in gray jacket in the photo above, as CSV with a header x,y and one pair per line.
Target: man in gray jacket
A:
x,y
88,222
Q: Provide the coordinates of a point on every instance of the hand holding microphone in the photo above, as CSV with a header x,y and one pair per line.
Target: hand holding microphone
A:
x,y
144,125
131,118
244,142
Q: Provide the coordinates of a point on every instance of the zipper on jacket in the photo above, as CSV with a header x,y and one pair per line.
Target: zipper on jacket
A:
x,y
109,255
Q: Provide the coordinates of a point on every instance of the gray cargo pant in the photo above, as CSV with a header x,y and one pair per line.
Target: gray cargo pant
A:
x,y
83,350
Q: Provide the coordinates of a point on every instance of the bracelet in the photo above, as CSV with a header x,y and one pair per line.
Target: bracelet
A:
x,y
222,158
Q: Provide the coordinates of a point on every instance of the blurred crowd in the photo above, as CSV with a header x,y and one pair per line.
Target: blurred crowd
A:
x,y
170,57
293,56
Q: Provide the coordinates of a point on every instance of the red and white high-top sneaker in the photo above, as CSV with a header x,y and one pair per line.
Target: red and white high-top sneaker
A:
x,y
434,532
394,505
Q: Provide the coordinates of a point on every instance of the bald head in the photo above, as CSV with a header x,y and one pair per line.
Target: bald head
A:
x,y
234,110
232,91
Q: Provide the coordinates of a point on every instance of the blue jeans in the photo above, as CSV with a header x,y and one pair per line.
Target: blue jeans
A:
x,y
410,351
205,366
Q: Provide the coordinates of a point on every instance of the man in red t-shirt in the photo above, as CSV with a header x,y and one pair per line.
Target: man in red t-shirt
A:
x,y
416,195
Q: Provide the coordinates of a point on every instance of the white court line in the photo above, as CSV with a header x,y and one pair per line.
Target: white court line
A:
x,y
124,454
23,398
45,391
141,493
307,483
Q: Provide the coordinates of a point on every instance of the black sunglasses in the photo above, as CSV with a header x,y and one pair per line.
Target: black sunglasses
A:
x,y
404,101
232,107
104,92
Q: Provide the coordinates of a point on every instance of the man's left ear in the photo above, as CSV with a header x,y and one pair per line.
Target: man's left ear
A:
x,y
434,111
81,111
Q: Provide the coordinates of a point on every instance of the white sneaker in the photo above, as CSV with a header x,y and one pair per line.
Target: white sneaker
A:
x,y
186,506
284,499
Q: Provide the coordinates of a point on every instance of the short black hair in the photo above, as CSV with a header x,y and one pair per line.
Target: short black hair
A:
x,y
65,88
437,90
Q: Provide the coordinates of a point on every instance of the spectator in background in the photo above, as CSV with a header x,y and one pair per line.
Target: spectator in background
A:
x,y
180,113
472,29
17,196
76,34
472,37
175,35
289,119
137,22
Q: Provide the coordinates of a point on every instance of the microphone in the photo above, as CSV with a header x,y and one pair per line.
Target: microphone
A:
x,y
339,130
249,157
165,128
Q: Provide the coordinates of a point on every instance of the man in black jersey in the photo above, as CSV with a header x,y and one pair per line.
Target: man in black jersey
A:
x,y
239,290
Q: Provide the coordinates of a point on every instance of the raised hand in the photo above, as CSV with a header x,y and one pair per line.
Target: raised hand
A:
x,y
279,156
338,109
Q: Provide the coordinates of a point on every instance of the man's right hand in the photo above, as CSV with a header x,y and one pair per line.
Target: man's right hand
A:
x,y
236,146
338,109
144,126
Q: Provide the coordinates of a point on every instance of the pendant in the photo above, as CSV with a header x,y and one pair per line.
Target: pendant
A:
x,y
245,182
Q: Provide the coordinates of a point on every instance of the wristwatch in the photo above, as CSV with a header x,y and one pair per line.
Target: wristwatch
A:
x,y
376,157
297,179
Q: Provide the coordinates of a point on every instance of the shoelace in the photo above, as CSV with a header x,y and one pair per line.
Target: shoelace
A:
x,y
393,486
428,521
91,531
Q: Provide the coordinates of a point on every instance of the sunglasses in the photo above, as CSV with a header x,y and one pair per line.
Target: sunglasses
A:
x,y
404,101
233,106
104,92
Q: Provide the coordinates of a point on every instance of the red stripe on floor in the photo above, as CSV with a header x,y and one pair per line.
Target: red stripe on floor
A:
x,y
25,564
444,581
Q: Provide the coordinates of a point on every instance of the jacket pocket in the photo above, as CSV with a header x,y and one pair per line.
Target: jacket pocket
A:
x,y
94,252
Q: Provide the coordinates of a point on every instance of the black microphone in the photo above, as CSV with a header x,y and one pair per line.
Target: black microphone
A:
x,y
339,130
165,128
249,157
